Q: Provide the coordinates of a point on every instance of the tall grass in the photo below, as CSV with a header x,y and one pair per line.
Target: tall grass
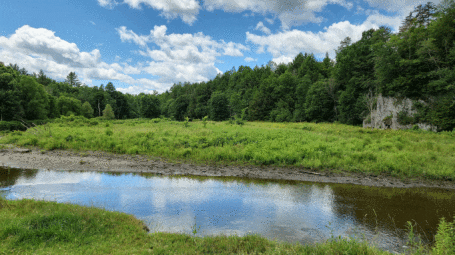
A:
x,y
337,147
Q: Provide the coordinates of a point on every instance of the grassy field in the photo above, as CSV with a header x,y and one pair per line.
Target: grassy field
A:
x,y
40,227
338,147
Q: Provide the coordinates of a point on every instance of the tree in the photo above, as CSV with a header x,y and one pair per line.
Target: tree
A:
x,y
67,105
87,110
319,105
108,112
179,107
8,97
218,107
72,80
150,106
33,98
42,78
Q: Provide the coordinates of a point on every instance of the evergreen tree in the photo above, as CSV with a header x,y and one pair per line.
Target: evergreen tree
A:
x,y
72,80
108,112
87,110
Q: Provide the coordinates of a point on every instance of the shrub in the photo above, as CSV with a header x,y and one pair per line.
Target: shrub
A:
x,y
93,123
11,126
404,119
109,132
108,112
445,238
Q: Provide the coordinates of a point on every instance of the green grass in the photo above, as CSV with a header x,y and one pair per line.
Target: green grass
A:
x,y
333,147
40,227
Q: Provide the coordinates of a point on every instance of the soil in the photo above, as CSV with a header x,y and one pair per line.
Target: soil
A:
x,y
107,162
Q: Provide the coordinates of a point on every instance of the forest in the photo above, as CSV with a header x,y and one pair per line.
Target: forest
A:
x,y
417,63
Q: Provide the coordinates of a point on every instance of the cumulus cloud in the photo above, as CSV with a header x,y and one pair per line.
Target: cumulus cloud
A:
x,y
187,10
249,59
285,45
39,48
260,26
290,13
181,57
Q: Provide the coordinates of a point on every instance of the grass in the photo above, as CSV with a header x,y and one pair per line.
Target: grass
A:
x,y
322,146
39,227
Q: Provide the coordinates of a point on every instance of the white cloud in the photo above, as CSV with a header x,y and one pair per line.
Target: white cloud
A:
x,y
285,45
93,23
249,59
270,21
39,48
181,57
290,13
260,26
107,3
187,10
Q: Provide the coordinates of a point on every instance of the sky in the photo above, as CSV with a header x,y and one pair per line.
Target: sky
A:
x,y
148,45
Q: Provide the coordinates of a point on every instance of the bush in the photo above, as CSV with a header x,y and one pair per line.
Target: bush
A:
x,y
11,126
445,238
93,123
109,132
404,119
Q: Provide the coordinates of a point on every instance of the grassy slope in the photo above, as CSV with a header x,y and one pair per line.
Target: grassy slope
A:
x,y
39,227
318,146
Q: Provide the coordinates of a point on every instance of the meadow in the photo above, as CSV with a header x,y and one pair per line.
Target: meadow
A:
x,y
320,147
40,227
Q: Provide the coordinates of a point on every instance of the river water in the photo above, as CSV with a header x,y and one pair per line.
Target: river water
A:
x,y
282,210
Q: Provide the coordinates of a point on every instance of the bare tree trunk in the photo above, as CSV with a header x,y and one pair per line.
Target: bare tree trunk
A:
x,y
370,101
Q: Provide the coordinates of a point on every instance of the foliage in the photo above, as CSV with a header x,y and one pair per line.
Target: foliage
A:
x,y
445,238
87,110
150,106
72,80
108,113
404,119
11,126
65,105
219,107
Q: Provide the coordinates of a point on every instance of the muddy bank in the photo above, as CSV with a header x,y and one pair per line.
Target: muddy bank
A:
x,y
108,162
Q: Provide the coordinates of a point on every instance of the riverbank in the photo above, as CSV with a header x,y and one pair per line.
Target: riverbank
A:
x,y
41,227
36,158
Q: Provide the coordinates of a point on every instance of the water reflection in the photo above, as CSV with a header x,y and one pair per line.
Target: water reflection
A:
x,y
284,210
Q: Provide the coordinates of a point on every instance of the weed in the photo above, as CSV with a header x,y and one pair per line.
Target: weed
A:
x,y
185,123
204,121
109,132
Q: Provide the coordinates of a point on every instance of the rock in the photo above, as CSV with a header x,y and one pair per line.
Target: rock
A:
x,y
21,150
385,114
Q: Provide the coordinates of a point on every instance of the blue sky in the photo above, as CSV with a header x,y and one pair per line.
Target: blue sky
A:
x,y
147,45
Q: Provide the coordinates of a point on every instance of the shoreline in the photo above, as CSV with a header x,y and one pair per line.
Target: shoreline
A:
x,y
99,161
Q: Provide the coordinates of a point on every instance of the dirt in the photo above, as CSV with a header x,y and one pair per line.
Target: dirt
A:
x,y
108,162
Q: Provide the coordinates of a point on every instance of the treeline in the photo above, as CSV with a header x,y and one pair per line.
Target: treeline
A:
x,y
417,63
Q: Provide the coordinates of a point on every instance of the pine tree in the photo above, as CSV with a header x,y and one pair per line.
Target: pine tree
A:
x,y
108,112
72,80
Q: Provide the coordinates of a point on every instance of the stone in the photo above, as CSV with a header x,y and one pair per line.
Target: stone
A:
x,y
18,150
385,115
